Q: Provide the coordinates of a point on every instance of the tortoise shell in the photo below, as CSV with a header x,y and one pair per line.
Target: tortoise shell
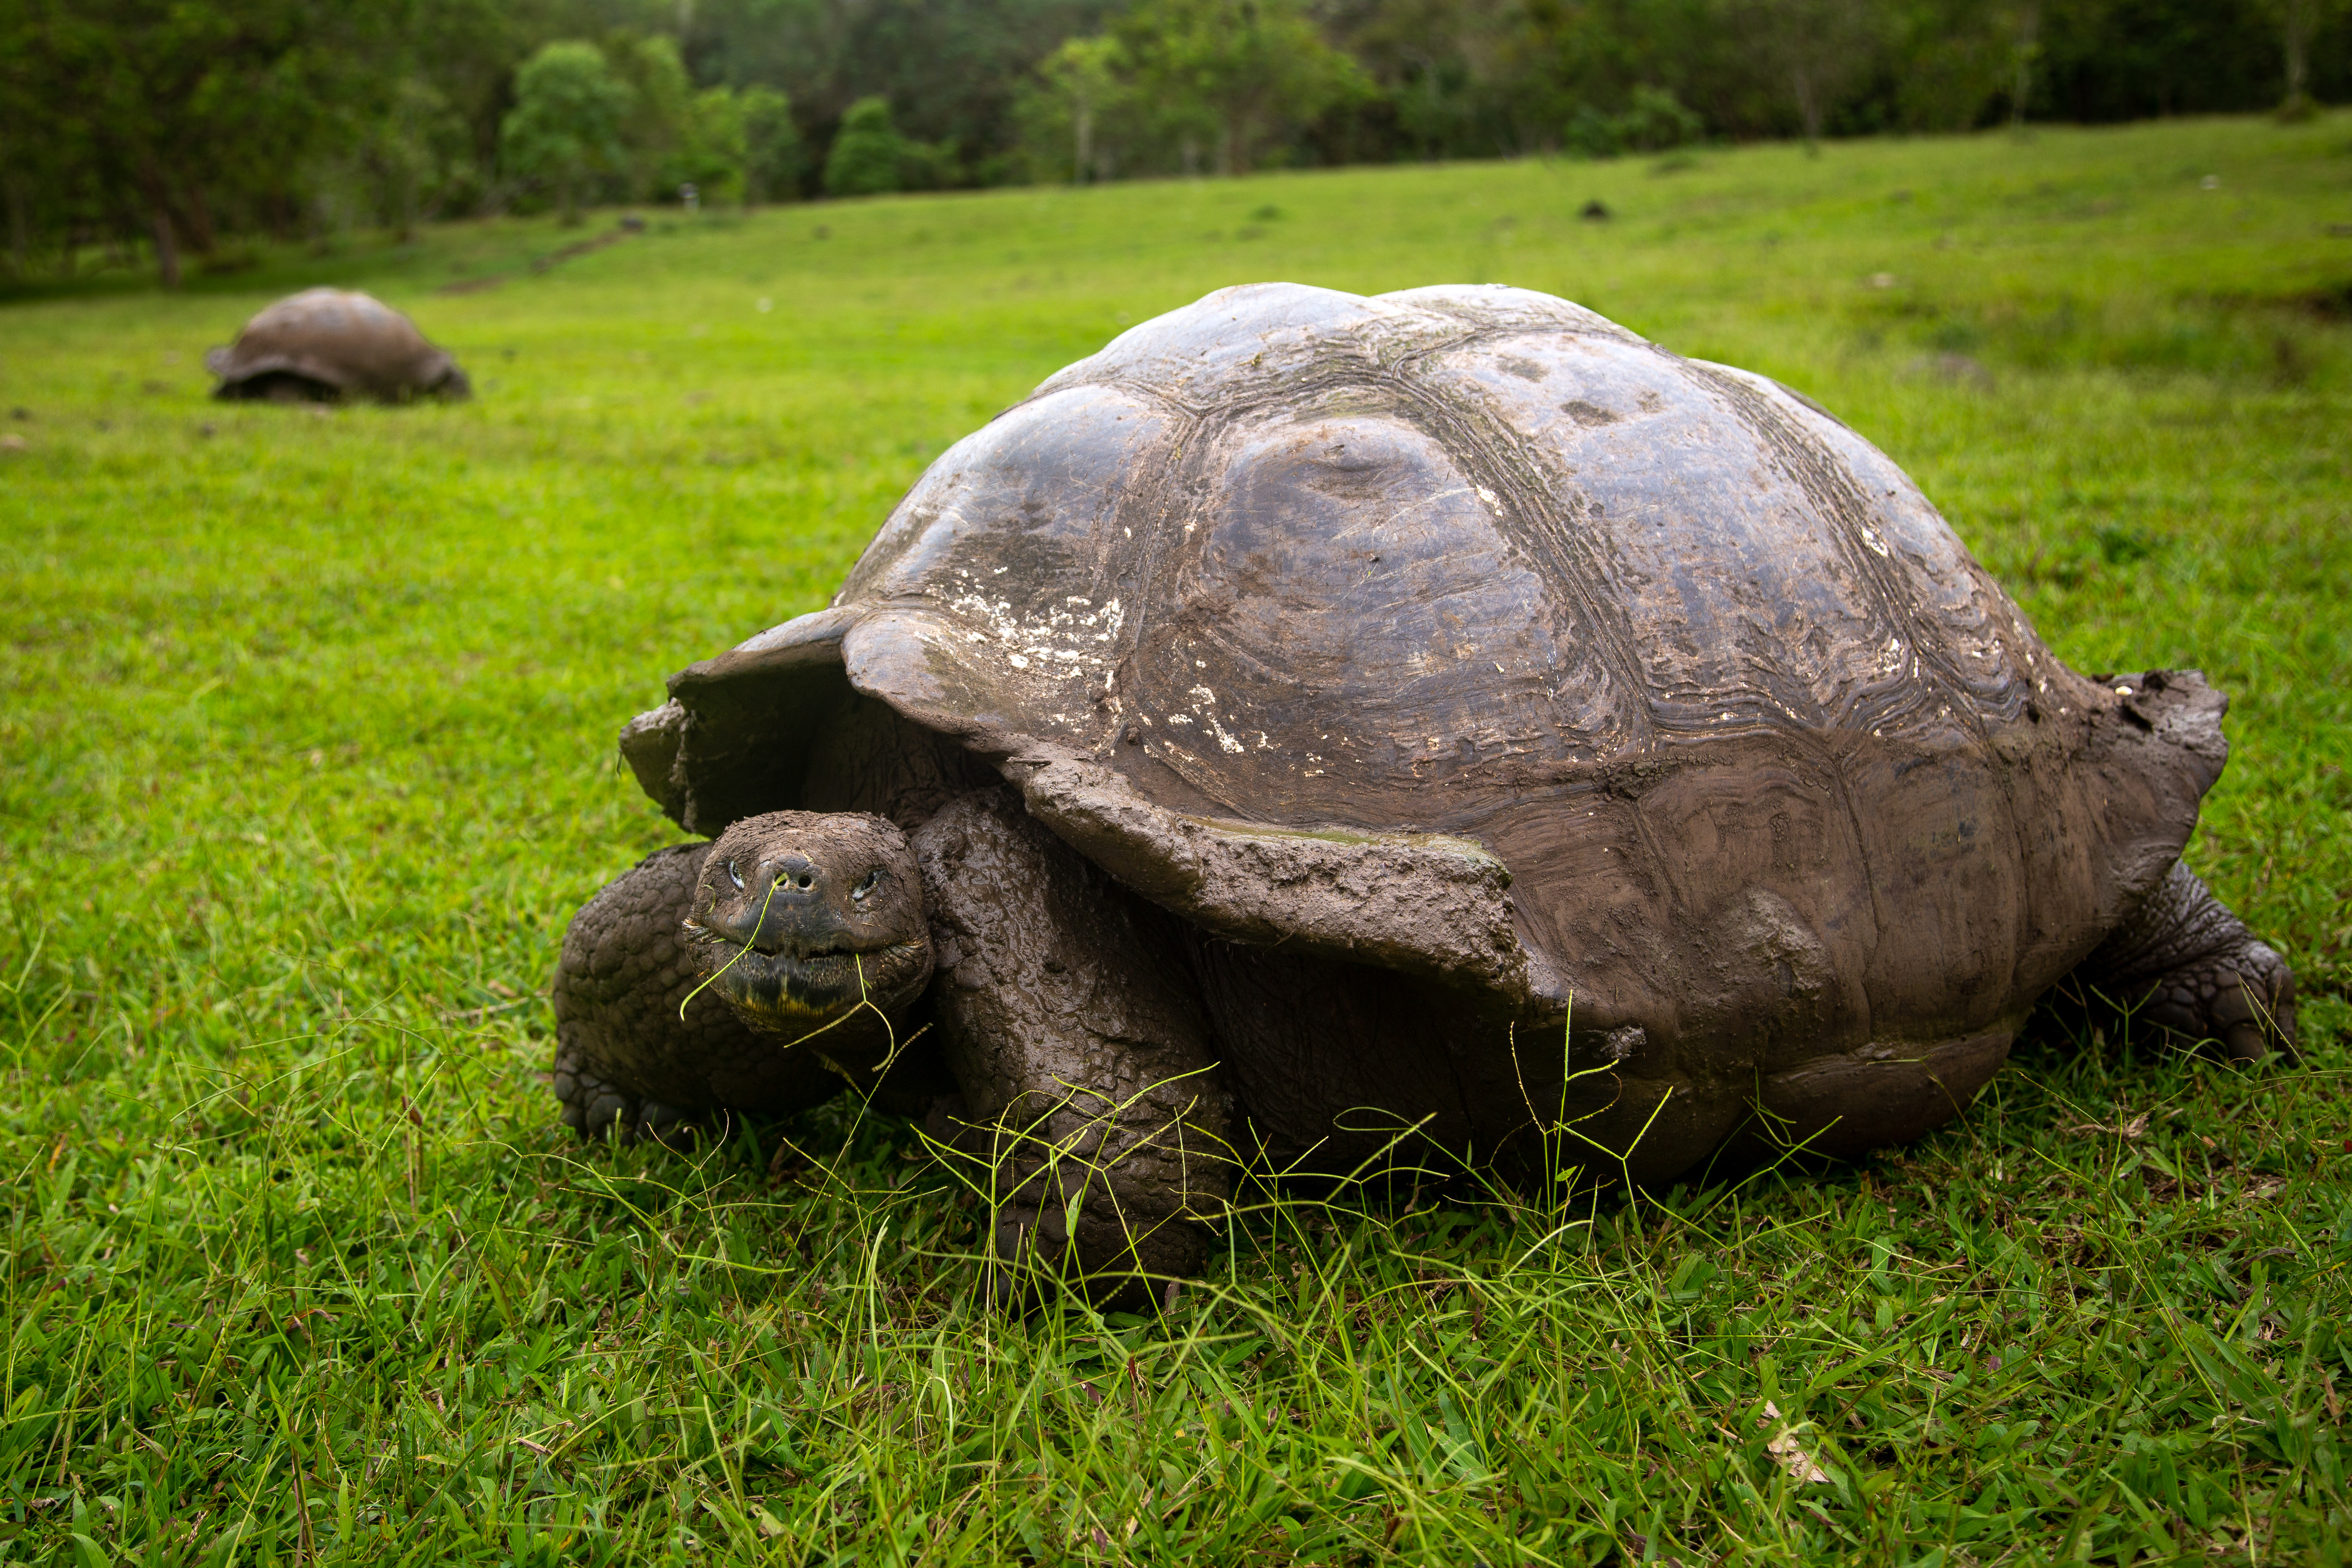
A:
x,y
1464,633
324,343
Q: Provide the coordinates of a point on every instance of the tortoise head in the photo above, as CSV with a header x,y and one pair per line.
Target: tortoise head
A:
x,y
801,917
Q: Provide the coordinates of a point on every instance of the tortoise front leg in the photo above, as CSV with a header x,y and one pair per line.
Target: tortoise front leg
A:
x,y
2184,963
1093,1118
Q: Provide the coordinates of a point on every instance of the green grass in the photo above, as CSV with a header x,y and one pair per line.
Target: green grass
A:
x,y
306,757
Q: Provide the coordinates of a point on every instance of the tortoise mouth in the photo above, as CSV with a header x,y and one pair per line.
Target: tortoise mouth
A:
x,y
795,993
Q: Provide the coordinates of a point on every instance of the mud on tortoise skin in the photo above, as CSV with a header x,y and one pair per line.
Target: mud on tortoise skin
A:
x,y
1316,715
325,344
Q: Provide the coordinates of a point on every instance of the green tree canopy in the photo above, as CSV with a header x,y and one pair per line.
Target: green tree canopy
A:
x,y
735,146
2298,21
566,124
771,146
950,70
658,134
1081,111
1816,49
869,154
1235,72
706,150
184,110
1214,83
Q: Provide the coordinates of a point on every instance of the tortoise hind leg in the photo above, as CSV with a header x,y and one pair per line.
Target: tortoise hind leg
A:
x,y
2185,964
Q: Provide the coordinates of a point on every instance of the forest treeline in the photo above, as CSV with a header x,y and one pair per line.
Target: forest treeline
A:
x,y
167,132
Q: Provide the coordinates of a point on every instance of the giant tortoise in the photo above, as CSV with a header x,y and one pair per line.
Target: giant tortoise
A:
x,y
1319,730
328,343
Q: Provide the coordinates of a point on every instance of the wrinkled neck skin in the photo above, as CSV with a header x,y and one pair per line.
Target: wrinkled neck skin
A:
x,y
803,920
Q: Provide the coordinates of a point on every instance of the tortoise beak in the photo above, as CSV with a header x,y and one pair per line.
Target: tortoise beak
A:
x,y
780,995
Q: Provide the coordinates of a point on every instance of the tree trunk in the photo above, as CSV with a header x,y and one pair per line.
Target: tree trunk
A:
x,y
2295,17
1083,124
20,229
1808,109
195,218
167,250
159,219
2022,53
1435,94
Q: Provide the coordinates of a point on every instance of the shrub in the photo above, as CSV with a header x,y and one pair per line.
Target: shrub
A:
x,y
1653,121
869,154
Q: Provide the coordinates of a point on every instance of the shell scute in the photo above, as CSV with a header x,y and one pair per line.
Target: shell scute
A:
x,y
1257,665
994,594
1745,583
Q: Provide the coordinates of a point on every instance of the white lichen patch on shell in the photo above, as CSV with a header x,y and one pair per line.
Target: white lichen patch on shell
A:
x,y
1064,642
1204,704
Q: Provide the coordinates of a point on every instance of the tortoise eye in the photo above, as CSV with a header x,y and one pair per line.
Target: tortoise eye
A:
x,y
873,880
734,874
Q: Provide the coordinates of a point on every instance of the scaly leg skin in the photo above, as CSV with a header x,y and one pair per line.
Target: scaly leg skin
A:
x,y
596,1107
627,1064
2186,965
1093,1119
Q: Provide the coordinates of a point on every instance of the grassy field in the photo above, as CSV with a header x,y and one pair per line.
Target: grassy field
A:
x,y
306,756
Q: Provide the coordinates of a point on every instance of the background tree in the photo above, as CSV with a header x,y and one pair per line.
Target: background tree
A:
x,y
412,154
1582,62
467,52
28,143
1081,104
773,157
1817,48
565,127
957,73
656,134
868,157
708,150
1653,121
1242,71
1451,78
1944,63
2298,21
185,112
2119,59
2022,23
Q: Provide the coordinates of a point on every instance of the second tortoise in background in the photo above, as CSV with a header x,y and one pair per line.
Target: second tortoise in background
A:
x,y
1299,719
323,344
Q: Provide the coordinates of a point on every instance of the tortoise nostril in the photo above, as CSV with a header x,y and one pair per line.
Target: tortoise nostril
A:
x,y
804,880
